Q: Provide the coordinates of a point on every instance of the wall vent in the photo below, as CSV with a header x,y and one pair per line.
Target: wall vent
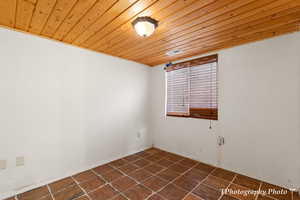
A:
x,y
174,52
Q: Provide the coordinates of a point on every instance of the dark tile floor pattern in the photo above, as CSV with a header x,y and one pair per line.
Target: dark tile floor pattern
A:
x,y
153,175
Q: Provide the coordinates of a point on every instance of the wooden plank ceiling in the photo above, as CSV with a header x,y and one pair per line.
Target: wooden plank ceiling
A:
x,y
193,26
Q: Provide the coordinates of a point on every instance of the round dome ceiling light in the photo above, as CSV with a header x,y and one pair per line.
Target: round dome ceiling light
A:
x,y
145,26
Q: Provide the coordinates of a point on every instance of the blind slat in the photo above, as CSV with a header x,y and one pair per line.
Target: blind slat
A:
x,y
192,90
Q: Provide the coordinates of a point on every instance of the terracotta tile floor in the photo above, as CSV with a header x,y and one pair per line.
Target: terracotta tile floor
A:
x,y
154,175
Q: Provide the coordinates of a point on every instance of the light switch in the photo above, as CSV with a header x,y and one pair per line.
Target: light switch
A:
x,y
20,161
2,164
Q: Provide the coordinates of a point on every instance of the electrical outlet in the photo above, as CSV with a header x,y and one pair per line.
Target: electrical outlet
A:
x,y
2,164
20,161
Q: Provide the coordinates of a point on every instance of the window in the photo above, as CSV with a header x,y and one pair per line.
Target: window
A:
x,y
192,88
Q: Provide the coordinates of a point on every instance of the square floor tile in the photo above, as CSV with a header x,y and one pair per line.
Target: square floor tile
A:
x,y
49,197
154,183
226,197
179,168
207,193
261,197
296,195
186,182
243,192
112,175
168,154
34,194
155,197
132,158
270,187
154,158
103,193
92,184
153,151
162,154
69,193
119,197
83,198
138,192
140,175
143,154
188,162
154,169
196,175
103,169
215,182
118,163
171,192
224,174
247,182
205,167
61,184
174,158
191,197
165,163
85,176
168,175
123,183
128,168
141,163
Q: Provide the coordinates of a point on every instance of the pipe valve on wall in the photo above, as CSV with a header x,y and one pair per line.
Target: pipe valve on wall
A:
x,y
221,140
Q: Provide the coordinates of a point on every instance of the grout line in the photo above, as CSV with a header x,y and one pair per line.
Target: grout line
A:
x,y
141,182
231,182
171,182
101,186
191,192
61,189
167,156
85,193
125,175
42,197
260,185
107,182
50,191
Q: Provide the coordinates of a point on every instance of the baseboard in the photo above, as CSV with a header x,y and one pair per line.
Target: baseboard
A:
x,y
233,170
31,187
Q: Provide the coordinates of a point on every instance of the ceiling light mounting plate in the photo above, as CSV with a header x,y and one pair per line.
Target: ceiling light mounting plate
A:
x,y
174,52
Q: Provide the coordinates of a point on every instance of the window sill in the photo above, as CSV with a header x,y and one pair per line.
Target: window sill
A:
x,y
202,117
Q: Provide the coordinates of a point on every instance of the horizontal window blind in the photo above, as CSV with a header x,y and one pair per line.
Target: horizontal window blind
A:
x,y
192,88
177,102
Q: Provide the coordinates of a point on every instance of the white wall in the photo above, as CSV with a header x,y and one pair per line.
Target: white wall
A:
x,y
65,109
259,113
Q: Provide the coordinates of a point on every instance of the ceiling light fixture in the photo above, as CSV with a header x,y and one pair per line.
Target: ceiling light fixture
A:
x,y
145,26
